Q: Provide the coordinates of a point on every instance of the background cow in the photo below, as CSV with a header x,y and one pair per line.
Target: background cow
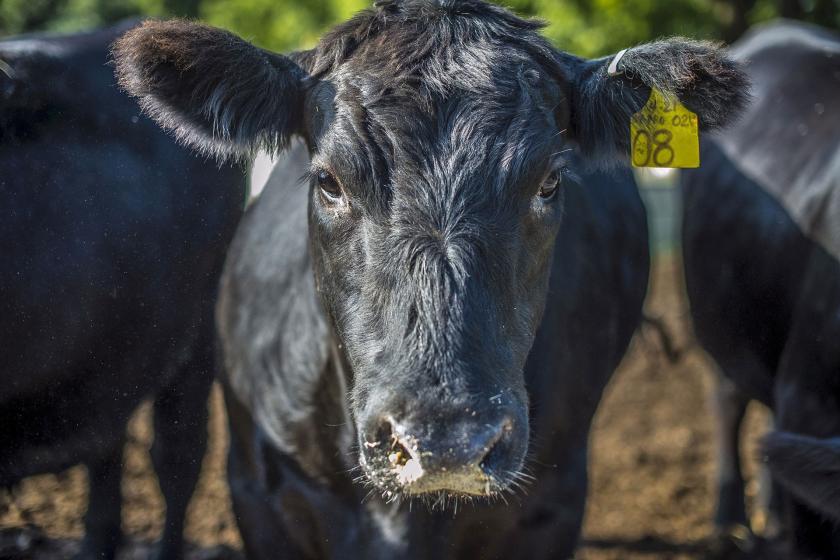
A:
x,y
112,242
761,238
393,342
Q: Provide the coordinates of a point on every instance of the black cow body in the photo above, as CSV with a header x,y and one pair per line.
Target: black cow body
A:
x,y
293,444
761,244
444,298
113,240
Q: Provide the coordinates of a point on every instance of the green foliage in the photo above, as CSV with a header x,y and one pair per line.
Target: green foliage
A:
x,y
279,25
585,27
599,27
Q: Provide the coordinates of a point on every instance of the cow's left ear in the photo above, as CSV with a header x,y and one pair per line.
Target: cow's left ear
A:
x,y
605,93
215,91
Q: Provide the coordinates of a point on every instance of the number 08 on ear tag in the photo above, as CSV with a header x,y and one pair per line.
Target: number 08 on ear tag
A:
x,y
664,134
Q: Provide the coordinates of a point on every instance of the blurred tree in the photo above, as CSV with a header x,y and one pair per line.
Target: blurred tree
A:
x,y
17,16
184,8
586,27
277,24
822,12
734,18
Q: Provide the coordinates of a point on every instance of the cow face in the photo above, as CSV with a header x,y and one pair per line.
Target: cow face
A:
x,y
438,133
433,215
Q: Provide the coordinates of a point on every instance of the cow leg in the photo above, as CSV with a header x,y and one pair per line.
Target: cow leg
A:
x,y
259,520
180,413
768,518
813,535
771,498
729,406
282,512
103,533
258,514
807,404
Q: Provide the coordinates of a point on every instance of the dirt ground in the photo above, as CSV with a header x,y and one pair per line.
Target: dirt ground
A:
x,y
651,467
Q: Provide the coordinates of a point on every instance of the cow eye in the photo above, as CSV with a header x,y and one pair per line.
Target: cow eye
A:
x,y
551,184
329,186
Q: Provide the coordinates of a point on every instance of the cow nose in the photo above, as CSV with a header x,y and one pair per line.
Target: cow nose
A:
x,y
469,458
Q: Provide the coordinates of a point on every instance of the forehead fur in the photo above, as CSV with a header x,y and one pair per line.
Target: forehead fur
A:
x,y
470,74
422,39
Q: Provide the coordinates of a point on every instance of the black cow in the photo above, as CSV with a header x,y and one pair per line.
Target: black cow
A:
x,y
761,239
458,295
113,241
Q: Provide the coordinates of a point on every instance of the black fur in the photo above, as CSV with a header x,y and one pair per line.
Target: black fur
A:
x,y
761,266
427,296
113,241
37,86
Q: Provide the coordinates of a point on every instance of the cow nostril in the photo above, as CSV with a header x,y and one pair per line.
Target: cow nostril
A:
x,y
492,459
469,458
399,455
388,443
383,435
496,450
397,452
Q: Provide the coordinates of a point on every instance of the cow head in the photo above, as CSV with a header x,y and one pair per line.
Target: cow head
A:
x,y
438,132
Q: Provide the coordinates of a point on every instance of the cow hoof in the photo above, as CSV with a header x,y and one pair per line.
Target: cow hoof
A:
x,y
767,525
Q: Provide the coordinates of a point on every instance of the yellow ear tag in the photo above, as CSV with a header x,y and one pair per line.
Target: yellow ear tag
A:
x,y
664,134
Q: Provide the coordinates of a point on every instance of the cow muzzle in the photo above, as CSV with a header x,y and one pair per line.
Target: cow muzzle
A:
x,y
468,456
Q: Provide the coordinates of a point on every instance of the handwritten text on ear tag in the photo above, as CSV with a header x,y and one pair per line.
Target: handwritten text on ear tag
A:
x,y
664,134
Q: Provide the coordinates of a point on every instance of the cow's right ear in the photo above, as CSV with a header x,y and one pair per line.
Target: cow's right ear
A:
x,y
215,91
